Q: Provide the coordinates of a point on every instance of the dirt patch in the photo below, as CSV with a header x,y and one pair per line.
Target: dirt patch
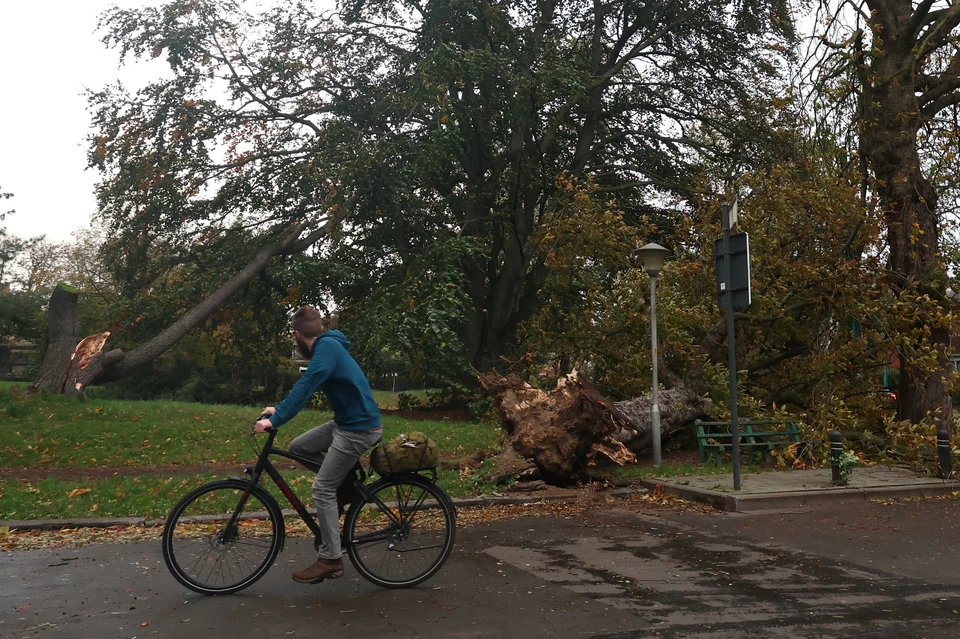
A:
x,y
34,474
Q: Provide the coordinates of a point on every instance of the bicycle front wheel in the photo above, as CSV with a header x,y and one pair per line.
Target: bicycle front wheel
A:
x,y
403,533
220,539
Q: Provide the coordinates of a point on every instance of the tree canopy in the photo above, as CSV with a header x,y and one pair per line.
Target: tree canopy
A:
x,y
422,141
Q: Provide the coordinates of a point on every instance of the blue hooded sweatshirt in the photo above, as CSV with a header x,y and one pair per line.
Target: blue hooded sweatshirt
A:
x,y
334,371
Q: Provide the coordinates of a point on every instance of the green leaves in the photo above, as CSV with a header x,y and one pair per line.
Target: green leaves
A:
x,y
411,319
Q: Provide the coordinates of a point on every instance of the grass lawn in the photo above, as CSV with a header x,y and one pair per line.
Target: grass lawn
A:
x,y
175,443
58,433
388,400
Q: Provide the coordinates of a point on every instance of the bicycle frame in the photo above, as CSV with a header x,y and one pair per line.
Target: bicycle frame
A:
x,y
263,465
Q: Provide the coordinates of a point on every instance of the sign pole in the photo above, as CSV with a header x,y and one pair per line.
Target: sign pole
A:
x,y
728,220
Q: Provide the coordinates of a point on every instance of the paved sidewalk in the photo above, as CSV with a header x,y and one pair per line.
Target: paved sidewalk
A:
x,y
792,488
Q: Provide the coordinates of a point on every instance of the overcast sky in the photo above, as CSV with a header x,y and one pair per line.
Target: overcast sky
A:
x,y
49,54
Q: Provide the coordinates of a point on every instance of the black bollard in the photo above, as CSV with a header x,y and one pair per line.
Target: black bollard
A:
x,y
836,449
943,451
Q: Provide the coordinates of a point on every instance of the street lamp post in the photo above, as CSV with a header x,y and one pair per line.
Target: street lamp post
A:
x,y
652,256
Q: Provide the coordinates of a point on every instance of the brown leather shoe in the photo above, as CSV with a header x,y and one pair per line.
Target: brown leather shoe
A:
x,y
323,569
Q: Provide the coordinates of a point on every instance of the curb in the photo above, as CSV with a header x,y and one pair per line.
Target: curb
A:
x,y
110,522
744,503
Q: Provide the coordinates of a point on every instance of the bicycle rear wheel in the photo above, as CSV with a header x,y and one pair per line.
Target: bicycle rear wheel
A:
x,y
403,534
212,552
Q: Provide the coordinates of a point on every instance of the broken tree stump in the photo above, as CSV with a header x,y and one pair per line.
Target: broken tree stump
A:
x,y
563,432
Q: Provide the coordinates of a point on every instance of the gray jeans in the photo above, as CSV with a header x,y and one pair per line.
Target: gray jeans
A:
x,y
343,448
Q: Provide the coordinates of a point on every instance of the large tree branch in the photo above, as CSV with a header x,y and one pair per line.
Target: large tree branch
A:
x,y
945,101
634,52
773,360
684,141
937,88
921,17
943,24
116,365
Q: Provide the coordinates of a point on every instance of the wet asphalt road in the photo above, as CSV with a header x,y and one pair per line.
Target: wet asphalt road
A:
x,y
867,571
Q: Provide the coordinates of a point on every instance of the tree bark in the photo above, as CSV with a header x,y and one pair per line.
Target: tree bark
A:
x,y
679,407
63,329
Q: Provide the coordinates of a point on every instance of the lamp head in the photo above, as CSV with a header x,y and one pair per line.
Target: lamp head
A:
x,y
652,256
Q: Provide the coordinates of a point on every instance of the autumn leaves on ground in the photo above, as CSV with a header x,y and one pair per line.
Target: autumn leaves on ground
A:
x,y
65,459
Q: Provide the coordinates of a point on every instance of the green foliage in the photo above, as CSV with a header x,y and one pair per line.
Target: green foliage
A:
x,y
319,402
406,401
590,306
845,463
915,445
20,305
22,316
814,343
482,409
410,321
885,88
13,253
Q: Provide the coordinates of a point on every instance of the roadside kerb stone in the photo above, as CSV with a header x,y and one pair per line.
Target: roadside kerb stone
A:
x,y
89,522
84,522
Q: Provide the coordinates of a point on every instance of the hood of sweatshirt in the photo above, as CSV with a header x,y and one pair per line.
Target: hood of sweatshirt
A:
x,y
335,335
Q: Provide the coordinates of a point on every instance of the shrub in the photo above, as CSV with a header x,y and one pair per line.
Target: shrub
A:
x,y
406,401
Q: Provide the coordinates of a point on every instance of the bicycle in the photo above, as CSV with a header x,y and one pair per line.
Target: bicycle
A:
x,y
224,535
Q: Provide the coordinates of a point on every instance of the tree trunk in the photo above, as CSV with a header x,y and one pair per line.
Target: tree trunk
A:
x,y
679,407
892,118
63,329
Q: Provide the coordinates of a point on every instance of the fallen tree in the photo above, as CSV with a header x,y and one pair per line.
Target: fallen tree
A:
x,y
559,435
62,373
562,433
679,407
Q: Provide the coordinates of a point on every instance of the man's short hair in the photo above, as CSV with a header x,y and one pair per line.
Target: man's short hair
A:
x,y
307,322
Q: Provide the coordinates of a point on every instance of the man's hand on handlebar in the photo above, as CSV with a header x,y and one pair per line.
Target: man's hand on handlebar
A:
x,y
263,424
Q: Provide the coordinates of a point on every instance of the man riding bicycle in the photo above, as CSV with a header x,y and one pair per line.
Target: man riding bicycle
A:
x,y
354,429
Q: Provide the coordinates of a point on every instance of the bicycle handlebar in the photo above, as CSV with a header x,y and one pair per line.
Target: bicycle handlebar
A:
x,y
269,429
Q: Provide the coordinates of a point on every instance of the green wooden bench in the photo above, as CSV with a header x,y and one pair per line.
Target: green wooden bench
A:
x,y
761,436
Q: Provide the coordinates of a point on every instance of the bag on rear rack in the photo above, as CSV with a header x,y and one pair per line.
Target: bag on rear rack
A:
x,y
405,453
